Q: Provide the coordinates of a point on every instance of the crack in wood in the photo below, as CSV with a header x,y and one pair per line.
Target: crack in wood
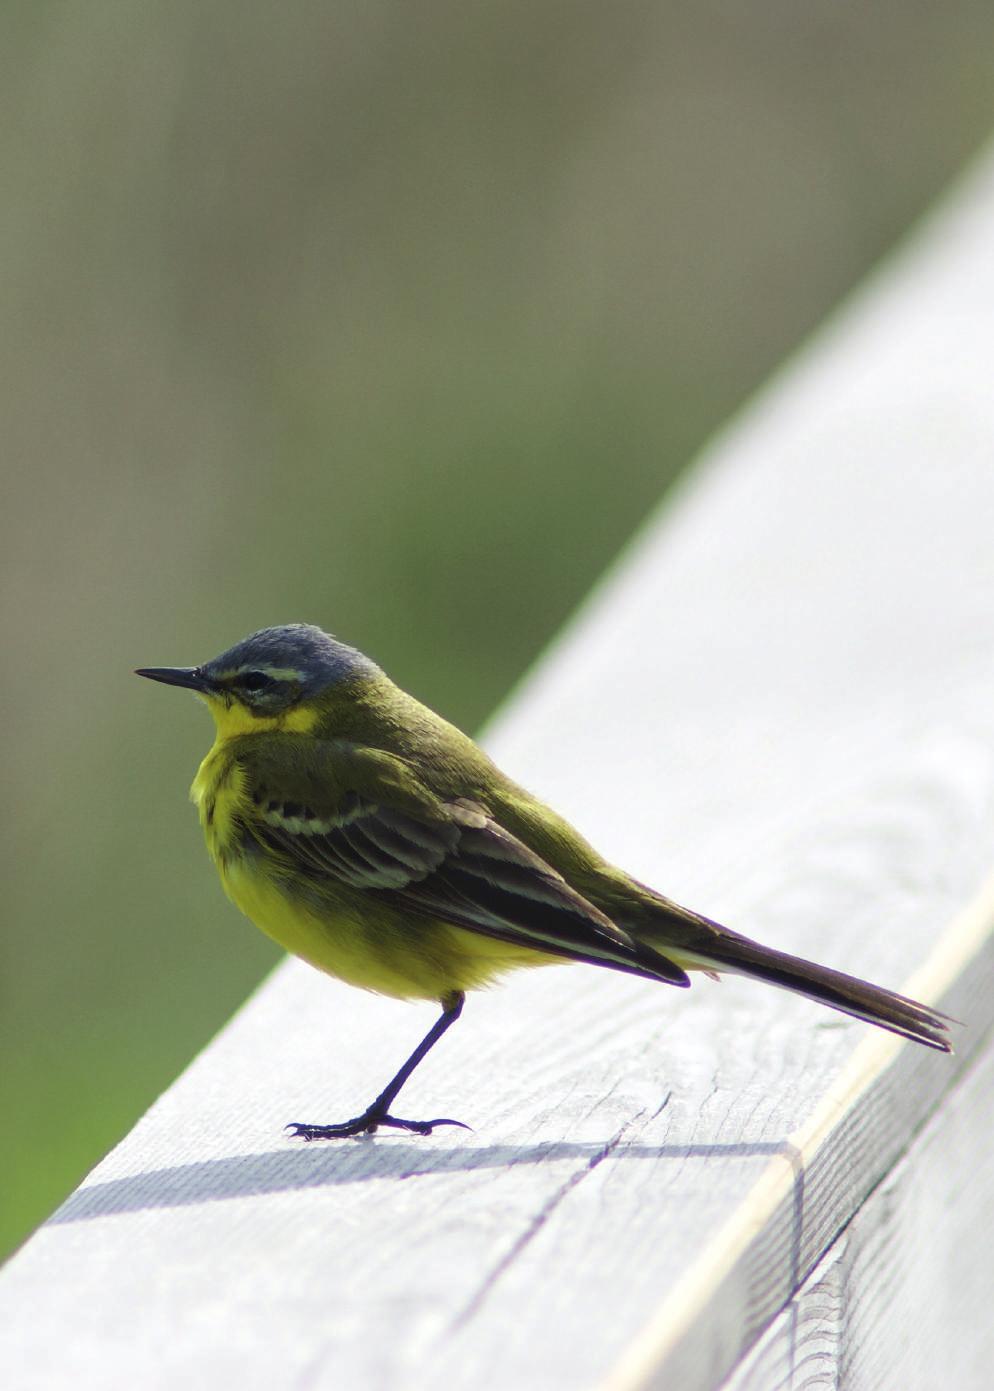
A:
x,y
489,1282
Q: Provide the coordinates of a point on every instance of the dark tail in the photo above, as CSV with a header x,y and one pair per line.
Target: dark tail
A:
x,y
728,951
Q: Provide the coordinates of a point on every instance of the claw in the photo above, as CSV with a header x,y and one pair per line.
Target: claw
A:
x,y
300,1130
366,1125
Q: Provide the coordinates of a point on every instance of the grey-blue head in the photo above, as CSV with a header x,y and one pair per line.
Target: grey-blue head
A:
x,y
273,669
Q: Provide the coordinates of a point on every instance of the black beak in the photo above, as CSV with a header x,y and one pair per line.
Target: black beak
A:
x,y
190,677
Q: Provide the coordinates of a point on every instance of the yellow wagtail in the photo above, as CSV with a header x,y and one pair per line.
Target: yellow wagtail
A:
x,y
364,833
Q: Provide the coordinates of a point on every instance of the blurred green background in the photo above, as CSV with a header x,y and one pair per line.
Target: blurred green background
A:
x,y
394,318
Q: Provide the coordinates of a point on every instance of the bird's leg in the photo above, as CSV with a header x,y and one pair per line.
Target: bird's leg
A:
x,y
378,1113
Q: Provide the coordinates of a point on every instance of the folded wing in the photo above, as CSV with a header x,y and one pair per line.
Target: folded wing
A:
x,y
438,860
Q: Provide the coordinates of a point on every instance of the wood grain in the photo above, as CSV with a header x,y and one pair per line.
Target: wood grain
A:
x,y
779,709
902,1297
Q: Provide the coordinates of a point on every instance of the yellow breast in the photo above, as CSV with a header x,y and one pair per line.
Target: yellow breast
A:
x,y
219,793
326,933
357,938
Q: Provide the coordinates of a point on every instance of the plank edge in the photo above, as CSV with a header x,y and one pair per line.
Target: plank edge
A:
x,y
957,947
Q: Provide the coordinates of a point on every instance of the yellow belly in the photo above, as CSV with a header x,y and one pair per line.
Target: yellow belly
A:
x,y
378,949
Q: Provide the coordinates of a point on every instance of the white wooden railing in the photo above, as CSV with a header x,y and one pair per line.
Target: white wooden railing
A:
x,y
779,708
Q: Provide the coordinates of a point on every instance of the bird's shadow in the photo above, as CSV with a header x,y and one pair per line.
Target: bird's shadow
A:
x,y
320,1166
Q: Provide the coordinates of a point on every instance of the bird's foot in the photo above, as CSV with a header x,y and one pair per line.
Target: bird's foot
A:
x,y
365,1124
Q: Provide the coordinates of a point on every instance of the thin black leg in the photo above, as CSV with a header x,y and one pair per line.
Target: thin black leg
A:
x,y
378,1113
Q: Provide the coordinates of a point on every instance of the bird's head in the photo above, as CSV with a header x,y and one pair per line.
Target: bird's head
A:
x,y
274,679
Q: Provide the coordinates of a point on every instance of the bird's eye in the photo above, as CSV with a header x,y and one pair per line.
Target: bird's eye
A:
x,y
254,681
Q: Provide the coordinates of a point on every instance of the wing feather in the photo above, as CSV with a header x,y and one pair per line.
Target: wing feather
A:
x,y
451,861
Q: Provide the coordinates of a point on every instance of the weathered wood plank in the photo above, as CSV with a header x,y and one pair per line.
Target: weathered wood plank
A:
x,y
902,1298
779,710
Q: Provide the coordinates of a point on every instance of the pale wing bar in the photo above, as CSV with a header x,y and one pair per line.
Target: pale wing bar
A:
x,y
467,870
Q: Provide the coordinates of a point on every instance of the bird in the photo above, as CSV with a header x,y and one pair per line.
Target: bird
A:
x,y
377,841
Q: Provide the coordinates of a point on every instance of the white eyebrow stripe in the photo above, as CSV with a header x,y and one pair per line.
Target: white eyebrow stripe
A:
x,y
275,673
